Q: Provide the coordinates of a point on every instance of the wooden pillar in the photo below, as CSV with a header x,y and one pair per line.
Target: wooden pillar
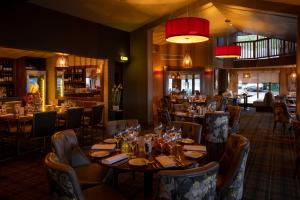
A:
x,y
298,65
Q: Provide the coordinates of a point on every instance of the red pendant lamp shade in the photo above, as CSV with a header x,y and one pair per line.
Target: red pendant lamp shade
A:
x,y
232,51
187,30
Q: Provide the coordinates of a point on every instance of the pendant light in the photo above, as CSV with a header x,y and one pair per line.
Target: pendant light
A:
x,y
187,60
228,51
187,29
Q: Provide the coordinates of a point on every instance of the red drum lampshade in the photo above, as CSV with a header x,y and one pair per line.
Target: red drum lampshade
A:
x,y
232,51
187,30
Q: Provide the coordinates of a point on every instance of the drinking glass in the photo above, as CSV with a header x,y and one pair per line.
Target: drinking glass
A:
x,y
148,145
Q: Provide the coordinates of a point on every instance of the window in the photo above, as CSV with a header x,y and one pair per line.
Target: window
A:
x,y
258,83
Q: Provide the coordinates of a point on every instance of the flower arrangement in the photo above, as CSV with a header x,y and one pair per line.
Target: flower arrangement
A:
x,y
33,97
116,96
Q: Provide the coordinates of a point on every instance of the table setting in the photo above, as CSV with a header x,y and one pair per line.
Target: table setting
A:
x,y
162,149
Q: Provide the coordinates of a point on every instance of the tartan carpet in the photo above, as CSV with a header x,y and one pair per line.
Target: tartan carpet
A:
x,y
269,172
271,161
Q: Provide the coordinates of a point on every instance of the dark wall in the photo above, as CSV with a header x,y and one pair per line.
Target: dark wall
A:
x,y
135,78
26,26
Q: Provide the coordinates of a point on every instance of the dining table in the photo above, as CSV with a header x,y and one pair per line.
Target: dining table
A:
x,y
153,164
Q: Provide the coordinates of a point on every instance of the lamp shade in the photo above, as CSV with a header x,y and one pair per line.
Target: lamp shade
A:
x,y
232,51
187,30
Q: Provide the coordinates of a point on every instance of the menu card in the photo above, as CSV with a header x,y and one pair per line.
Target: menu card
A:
x,y
166,161
115,158
194,148
103,147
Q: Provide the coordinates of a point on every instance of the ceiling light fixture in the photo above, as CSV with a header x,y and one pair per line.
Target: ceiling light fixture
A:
x,y
187,30
228,51
62,61
187,60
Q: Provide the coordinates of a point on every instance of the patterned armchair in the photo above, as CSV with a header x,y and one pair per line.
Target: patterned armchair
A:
x,y
164,117
114,127
190,184
64,183
230,179
67,149
281,115
189,130
234,119
215,133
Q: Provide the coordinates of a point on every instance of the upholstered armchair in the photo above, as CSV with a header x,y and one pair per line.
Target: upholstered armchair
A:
x,y
215,133
234,119
221,102
189,130
281,115
190,184
64,183
230,178
266,104
67,149
114,127
164,117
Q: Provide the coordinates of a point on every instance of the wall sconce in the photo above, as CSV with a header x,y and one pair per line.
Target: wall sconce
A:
x,y
246,75
62,61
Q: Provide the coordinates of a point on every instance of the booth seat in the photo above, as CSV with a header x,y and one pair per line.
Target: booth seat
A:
x,y
265,105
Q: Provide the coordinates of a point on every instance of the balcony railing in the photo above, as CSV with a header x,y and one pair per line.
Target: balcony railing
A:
x,y
266,48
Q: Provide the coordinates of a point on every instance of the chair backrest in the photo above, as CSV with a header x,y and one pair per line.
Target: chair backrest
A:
x,y
62,178
97,113
189,130
269,99
216,127
74,117
179,107
281,113
232,167
164,116
66,147
114,127
234,119
196,183
43,124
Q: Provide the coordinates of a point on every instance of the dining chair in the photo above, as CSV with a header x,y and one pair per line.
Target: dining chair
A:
x,y
164,117
296,129
64,183
230,179
94,121
234,119
189,130
179,107
68,151
215,133
281,115
116,126
43,126
74,120
195,183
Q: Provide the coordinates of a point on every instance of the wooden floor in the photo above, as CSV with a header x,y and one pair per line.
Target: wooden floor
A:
x,y
269,173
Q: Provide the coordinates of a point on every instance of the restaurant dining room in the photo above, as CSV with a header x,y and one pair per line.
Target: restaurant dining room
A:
x,y
140,100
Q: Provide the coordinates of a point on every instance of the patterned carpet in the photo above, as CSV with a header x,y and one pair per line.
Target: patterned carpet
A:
x,y
269,173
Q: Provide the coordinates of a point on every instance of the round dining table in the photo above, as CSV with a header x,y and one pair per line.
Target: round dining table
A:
x,y
153,166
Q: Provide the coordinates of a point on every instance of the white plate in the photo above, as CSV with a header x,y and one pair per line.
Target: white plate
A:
x,y
186,141
138,161
193,154
99,154
110,140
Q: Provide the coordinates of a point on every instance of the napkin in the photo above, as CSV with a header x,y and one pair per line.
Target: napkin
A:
x,y
103,146
166,161
194,148
115,158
